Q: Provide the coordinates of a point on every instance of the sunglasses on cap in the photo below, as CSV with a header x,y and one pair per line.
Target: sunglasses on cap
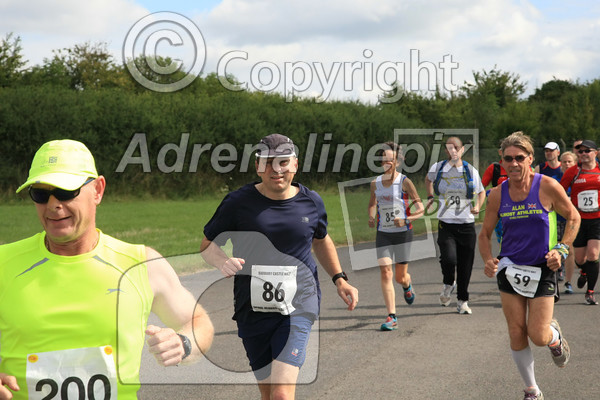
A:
x,y
41,196
586,151
519,158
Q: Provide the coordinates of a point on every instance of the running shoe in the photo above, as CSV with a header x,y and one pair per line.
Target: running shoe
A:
x,y
568,288
561,352
582,280
390,324
463,307
446,295
409,294
533,393
590,299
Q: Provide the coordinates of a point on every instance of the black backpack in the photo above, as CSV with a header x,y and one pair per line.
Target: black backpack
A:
x,y
496,174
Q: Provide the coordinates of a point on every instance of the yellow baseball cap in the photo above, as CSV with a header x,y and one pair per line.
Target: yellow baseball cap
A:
x,y
65,164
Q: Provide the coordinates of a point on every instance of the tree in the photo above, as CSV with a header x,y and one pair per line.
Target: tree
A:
x,y
505,87
88,66
565,111
488,99
11,60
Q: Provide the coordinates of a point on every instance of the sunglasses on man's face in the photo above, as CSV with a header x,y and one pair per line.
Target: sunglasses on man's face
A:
x,y
586,151
519,158
41,196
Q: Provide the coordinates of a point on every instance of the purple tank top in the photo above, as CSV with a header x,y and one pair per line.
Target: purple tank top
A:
x,y
529,231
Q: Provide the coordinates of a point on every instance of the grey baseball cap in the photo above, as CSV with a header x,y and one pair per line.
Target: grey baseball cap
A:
x,y
275,145
590,144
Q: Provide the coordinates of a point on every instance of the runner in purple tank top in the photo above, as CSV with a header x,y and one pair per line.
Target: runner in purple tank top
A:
x,y
529,256
531,230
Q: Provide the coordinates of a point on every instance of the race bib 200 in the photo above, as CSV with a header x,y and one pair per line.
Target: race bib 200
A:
x,y
87,374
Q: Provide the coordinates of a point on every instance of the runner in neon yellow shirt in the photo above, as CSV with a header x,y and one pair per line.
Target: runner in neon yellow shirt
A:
x,y
75,301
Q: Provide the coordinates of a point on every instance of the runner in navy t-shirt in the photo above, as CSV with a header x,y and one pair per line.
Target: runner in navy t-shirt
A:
x,y
273,225
550,167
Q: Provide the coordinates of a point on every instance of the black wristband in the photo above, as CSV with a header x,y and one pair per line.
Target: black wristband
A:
x,y
338,276
430,197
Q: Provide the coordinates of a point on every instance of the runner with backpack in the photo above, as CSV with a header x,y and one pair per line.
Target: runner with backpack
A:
x,y
455,182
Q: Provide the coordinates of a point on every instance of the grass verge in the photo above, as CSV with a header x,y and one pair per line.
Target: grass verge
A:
x,y
175,228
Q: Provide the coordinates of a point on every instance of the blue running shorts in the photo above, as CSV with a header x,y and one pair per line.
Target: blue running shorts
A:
x,y
286,342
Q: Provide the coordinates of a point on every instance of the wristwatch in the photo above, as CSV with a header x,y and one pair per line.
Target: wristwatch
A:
x,y
187,346
338,276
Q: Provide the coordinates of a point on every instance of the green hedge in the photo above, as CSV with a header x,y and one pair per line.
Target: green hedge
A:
x,y
107,120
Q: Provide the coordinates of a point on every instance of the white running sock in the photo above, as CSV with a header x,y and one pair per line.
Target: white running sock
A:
x,y
555,334
524,360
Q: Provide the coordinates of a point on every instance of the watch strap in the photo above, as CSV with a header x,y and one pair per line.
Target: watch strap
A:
x,y
338,276
187,345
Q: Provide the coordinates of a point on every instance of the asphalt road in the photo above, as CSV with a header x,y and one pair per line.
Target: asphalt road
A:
x,y
435,354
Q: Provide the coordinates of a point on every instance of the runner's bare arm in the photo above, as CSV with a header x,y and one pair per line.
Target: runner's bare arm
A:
x,y
480,200
554,197
415,203
372,208
176,308
213,255
489,222
429,190
327,255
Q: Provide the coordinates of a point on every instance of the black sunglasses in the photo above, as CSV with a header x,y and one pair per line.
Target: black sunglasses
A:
x,y
519,158
41,196
586,151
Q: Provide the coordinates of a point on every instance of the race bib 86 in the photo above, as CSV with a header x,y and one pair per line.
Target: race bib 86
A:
x,y
273,288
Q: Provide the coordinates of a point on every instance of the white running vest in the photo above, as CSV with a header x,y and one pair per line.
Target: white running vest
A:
x,y
390,204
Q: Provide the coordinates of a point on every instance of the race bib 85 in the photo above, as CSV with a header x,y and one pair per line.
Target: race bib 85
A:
x,y
388,213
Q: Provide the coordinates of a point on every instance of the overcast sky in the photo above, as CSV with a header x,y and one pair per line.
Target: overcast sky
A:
x,y
349,49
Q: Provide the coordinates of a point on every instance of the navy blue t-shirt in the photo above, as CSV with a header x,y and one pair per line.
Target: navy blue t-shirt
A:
x,y
275,233
555,173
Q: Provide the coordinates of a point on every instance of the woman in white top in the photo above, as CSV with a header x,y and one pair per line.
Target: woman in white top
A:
x,y
461,195
392,196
